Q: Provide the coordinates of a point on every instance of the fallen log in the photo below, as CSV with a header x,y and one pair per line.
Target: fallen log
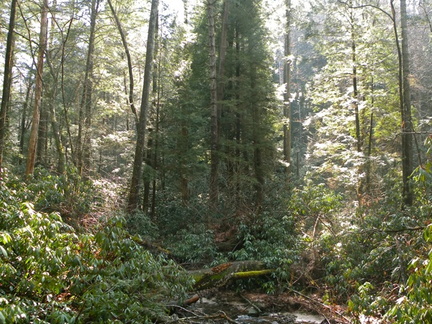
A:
x,y
220,275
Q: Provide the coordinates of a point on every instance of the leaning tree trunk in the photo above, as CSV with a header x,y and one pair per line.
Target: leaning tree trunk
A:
x,y
7,81
131,101
32,148
142,122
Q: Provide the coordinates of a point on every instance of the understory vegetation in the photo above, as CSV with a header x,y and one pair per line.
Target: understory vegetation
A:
x,y
52,272
76,264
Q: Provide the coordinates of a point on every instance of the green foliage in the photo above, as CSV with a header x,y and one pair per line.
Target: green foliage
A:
x,y
398,257
68,194
415,304
51,274
194,244
408,303
374,249
423,177
368,301
174,215
369,245
313,200
141,224
270,235
269,238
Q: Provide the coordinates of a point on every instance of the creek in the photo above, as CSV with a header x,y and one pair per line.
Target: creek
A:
x,y
227,307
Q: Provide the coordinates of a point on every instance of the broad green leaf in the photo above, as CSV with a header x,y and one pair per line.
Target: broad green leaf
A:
x,y
5,238
3,251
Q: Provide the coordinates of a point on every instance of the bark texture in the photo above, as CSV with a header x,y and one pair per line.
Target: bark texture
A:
x,y
32,148
7,80
407,127
142,122
214,157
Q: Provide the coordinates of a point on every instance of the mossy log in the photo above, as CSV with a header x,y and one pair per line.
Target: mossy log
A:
x,y
219,275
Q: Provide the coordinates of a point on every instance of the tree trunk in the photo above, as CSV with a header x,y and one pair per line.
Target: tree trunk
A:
x,y
128,59
142,122
221,274
355,104
257,143
52,95
222,58
24,124
407,127
355,96
151,150
147,177
61,159
405,103
214,137
369,155
183,146
84,131
287,97
69,141
42,145
32,148
7,81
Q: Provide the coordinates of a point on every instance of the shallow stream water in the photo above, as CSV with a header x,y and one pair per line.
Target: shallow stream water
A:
x,y
257,308
243,311
276,318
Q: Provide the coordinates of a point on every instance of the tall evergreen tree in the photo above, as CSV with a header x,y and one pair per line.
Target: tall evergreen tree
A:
x,y
248,111
214,114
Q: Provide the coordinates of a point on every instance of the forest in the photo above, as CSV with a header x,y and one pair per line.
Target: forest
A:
x,y
147,144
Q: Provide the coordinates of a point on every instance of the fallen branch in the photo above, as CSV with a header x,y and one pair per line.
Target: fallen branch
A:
x,y
327,307
252,304
220,315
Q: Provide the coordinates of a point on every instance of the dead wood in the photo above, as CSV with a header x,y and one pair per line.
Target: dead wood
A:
x,y
220,275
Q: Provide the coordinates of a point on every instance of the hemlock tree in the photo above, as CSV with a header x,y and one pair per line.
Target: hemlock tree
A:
x,y
240,101
214,114
246,124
